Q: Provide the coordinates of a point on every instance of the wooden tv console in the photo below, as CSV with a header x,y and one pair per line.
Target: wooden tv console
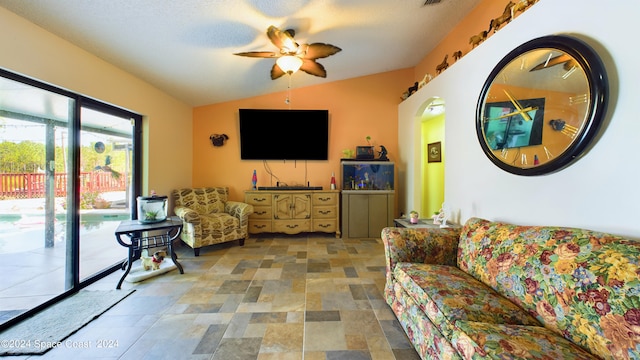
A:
x,y
294,211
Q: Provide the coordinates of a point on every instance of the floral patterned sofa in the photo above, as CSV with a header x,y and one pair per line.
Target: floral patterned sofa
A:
x,y
502,291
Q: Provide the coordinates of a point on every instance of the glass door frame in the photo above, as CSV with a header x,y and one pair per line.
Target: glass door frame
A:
x,y
72,271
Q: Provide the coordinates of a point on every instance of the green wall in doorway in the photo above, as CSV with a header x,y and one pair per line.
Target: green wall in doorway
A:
x,y
432,173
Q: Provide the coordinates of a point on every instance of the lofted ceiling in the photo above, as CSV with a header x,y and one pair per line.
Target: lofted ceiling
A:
x,y
186,47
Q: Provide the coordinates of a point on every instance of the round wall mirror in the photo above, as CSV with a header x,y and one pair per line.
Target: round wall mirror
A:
x,y
542,105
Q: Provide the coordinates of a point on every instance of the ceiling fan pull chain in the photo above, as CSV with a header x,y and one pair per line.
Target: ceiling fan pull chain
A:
x,y
288,99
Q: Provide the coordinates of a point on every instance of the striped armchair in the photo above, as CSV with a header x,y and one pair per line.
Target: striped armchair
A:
x,y
209,217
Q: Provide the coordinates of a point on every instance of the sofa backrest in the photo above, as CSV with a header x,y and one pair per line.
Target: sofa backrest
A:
x,y
204,200
583,284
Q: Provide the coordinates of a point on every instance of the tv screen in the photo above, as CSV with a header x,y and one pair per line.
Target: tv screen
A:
x,y
267,134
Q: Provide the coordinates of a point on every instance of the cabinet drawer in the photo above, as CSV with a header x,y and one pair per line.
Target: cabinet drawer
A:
x,y
327,225
257,199
292,226
259,226
325,198
261,212
324,212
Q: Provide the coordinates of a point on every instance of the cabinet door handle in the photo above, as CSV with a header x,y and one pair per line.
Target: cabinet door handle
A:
x,y
325,212
260,212
292,226
324,199
259,200
259,226
324,225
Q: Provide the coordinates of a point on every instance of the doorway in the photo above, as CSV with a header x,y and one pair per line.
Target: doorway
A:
x,y
432,156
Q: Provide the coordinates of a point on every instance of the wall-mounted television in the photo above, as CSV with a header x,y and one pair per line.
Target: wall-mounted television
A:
x,y
269,134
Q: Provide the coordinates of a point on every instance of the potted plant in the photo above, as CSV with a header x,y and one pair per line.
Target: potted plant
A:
x,y
365,152
413,217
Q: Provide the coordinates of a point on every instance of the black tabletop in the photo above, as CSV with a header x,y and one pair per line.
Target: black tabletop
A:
x,y
129,226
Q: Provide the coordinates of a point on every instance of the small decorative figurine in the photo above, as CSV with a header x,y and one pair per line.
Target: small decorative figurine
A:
x,y
475,40
440,217
443,65
413,217
427,77
413,88
502,19
383,153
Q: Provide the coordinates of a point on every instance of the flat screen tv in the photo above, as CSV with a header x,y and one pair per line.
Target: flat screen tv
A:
x,y
268,134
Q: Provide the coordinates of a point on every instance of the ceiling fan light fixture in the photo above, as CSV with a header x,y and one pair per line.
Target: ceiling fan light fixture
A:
x,y
289,63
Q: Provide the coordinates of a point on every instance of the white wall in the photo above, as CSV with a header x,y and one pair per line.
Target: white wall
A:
x,y
598,191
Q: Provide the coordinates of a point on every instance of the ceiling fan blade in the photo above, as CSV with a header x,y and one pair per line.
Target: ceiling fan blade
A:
x,y
313,68
258,54
276,72
282,39
319,50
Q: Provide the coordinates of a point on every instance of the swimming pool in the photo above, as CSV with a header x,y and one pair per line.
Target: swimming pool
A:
x,y
24,232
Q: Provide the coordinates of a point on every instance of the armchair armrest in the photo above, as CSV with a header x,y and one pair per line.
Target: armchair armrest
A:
x,y
424,245
241,211
238,209
187,215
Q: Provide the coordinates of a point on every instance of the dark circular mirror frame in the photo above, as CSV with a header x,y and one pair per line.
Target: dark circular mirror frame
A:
x,y
542,105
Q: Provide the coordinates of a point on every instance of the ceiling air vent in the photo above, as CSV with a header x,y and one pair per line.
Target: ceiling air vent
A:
x,y
431,2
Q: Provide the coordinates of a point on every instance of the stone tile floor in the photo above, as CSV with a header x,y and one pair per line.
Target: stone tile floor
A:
x,y
287,297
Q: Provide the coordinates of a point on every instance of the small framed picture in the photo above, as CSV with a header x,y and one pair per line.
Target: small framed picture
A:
x,y
434,152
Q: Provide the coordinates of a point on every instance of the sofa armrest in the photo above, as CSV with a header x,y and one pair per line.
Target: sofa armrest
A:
x,y
424,245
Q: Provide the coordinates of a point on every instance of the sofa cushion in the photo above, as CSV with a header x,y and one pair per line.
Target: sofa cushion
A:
x,y
448,295
583,284
477,340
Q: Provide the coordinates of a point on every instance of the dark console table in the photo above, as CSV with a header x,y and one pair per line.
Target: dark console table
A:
x,y
136,239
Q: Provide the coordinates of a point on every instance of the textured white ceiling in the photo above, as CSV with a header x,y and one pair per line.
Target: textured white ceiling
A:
x,y
185,47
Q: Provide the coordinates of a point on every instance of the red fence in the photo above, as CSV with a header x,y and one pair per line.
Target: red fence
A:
x,y
27,185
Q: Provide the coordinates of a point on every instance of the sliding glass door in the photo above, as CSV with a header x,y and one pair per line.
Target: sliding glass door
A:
x,y
33,211
106,144
68,172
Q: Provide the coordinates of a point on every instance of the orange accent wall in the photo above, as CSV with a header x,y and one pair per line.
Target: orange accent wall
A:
x,y
458,39
358,107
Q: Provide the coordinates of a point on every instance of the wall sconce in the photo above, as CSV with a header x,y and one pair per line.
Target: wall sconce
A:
x,y
218,139
289,63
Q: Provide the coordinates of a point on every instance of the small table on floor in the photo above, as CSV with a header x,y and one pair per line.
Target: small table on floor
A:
x,y
422,223
133,229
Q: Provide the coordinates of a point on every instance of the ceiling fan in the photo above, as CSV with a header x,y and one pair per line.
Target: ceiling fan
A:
x,y
293,56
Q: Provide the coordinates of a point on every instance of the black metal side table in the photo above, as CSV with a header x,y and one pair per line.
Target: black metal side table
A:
x,y
133,230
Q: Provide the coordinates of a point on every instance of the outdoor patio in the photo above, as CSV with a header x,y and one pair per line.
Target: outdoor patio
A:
x,y
33,273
